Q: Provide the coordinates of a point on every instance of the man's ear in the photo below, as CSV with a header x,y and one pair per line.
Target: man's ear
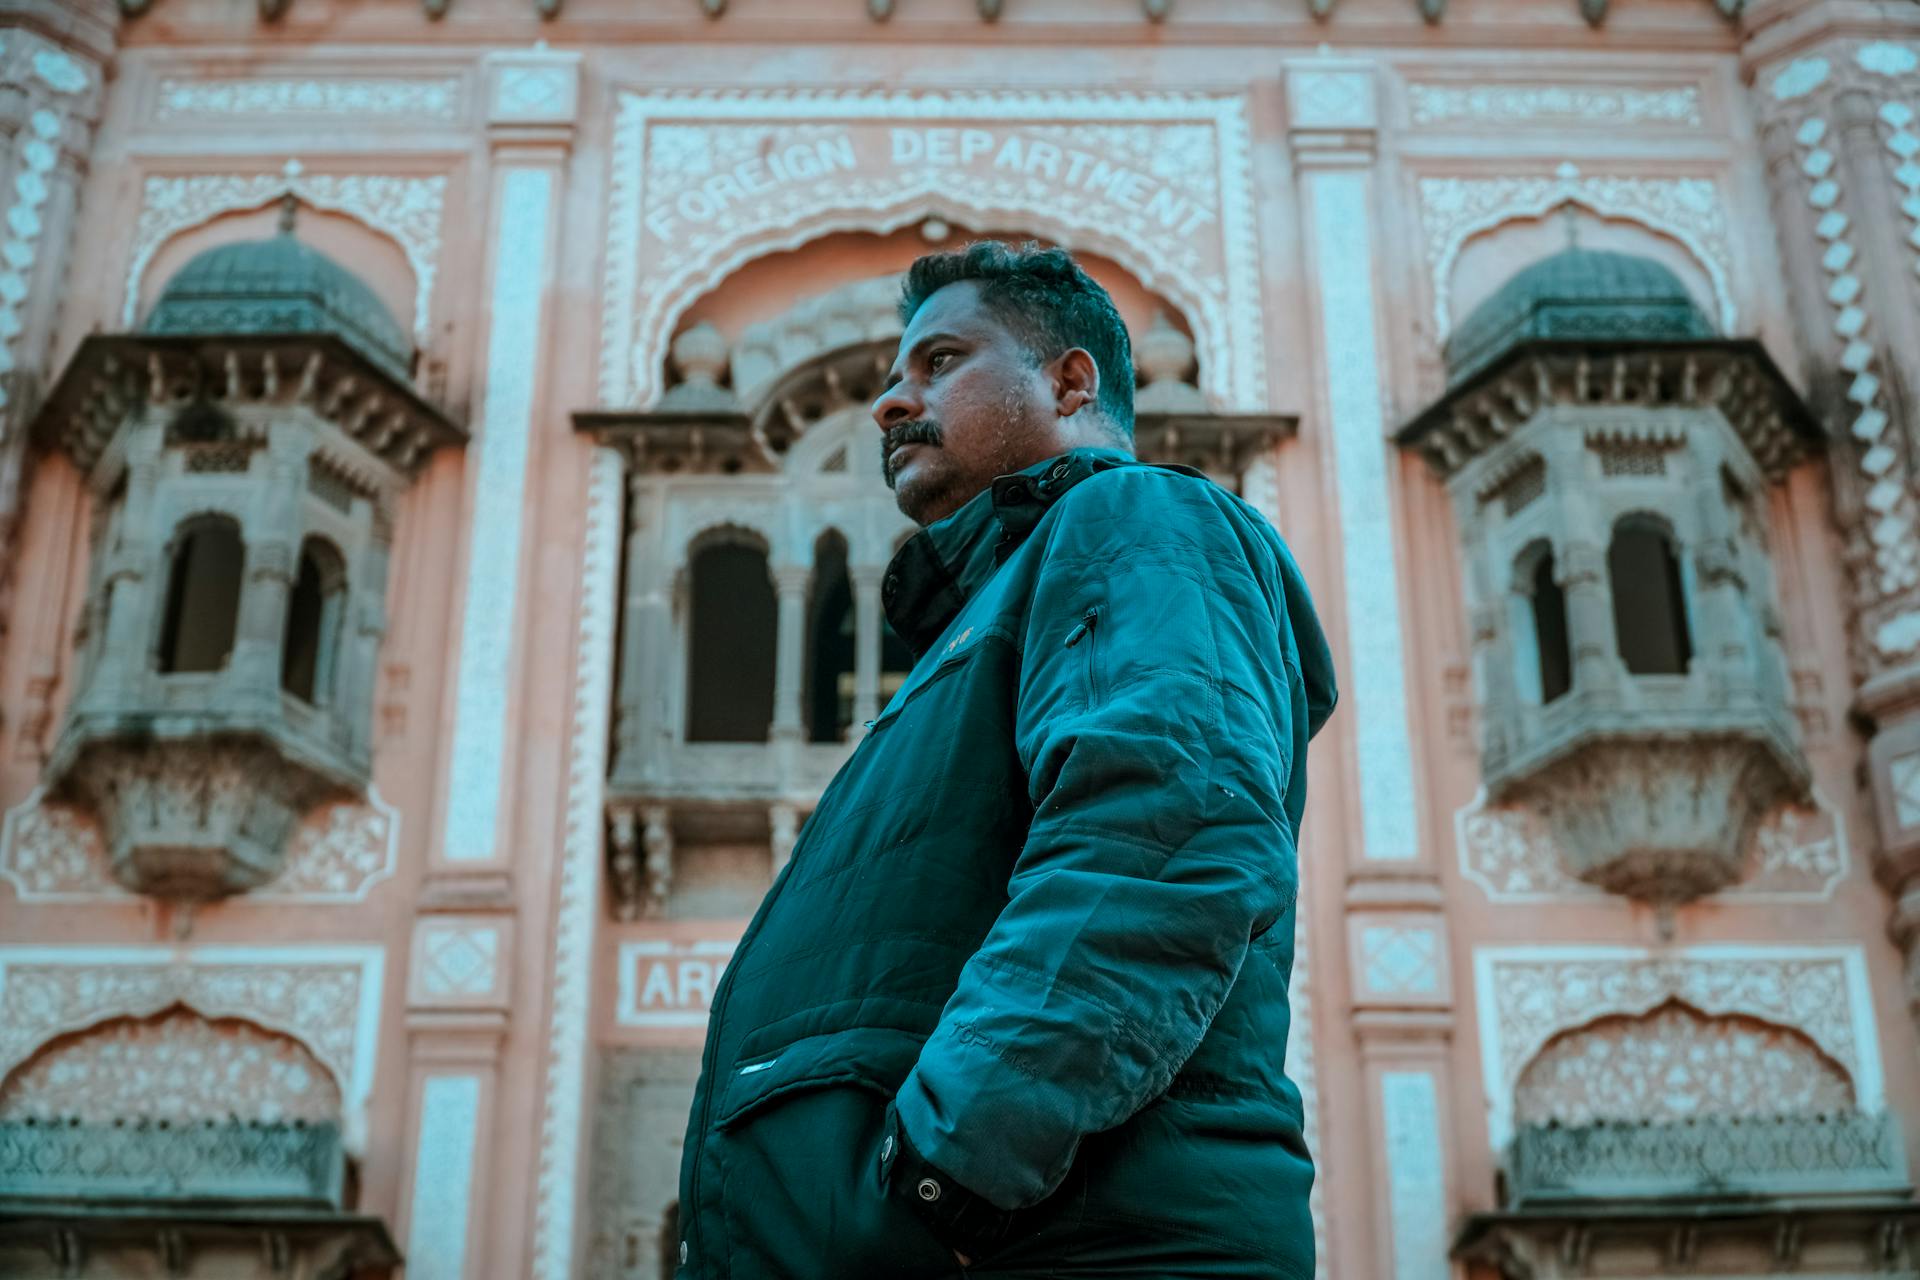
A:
x,y
1076,381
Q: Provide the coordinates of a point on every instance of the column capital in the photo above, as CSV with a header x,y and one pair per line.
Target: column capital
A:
x,y
532,95
1333,112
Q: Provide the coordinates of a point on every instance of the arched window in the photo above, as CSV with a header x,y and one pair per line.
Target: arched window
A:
x,y
310,648
732,641
1649,599
1547,605
203,596
830,642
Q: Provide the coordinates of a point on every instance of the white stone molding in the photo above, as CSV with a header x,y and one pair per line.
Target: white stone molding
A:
x,y
666,145
406,210
1891,529
1559,105
1801,855
257,98
1689,210
1527,995
1337,209
559,1171
326,997
477,757
440,1210
53,852
56,84
1416,1175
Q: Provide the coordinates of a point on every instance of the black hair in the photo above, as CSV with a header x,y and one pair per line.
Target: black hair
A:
x,y
1047,301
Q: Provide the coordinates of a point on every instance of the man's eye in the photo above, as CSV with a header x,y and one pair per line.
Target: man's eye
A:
x,y
939,360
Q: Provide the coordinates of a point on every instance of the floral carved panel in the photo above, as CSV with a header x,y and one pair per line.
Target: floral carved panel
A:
x,y
702,184
179,1067
1594,105
255,98
327,998
56,852
1799,855
1678,1064
1529,995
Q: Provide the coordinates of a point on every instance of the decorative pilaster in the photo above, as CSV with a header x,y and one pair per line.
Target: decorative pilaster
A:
x,y
533,99
1395,929
1838,125
532,103
53,63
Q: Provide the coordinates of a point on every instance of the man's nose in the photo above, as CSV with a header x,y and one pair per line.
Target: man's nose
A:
x,y
897,404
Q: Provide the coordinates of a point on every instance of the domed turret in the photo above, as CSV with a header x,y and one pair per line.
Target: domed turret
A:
x,y
1577,294
280,286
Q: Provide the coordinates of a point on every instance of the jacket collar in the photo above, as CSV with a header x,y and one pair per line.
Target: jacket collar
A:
x,y
941,567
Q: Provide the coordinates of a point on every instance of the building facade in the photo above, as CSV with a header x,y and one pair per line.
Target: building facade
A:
x,y
442,539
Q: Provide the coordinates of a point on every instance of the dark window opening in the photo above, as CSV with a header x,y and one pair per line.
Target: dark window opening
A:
x,y
830,642
308,650
1649,601
1550,631
731,635
203,598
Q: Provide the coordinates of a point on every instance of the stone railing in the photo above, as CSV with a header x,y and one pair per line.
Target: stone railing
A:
x,y
1850,1155
232,1161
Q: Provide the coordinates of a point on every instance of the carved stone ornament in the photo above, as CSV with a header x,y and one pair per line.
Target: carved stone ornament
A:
x,y
201,818
1529,995
257,99
407,210
327,998
1559,105
1799,854
180,1068
1455,210
563,1089
1885,540
54,852
703,183
1660,820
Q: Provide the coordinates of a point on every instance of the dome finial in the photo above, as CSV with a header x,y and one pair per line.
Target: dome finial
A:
x,y
1570,214
289,206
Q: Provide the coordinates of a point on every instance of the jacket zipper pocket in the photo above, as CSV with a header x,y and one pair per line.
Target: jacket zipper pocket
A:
x,y
1084,631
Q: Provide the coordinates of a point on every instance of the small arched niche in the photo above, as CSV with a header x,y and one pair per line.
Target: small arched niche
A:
x,y
177,1066
1677,1063
376,260
1488,260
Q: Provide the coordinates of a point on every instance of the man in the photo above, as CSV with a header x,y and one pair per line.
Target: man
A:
x,y
1018,1003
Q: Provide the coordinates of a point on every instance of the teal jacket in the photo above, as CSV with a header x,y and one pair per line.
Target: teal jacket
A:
x,y
1021,991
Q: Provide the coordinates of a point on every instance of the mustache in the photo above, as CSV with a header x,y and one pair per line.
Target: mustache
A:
x,y
919,431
